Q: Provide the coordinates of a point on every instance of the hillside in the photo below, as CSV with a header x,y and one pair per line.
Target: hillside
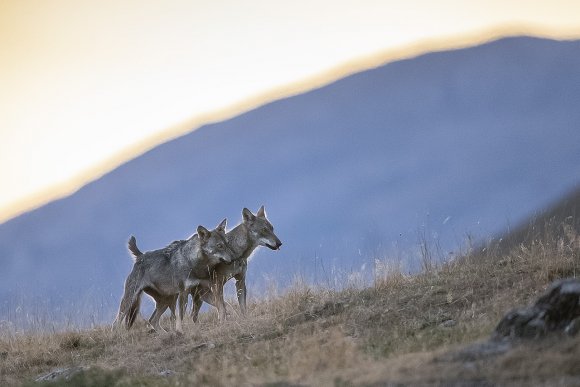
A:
x,y
431,148
410,330
565,211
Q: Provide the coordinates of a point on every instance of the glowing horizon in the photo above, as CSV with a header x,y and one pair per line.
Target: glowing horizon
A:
x,y
155,112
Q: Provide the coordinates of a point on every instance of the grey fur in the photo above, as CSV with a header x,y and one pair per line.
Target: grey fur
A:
x,y
254,231
132,246
164,273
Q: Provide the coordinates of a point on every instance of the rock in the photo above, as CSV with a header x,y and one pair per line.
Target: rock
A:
x,y
520,323
61,374
557,310
475,352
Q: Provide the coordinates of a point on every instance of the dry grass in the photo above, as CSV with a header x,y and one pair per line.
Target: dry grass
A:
x,y
394,331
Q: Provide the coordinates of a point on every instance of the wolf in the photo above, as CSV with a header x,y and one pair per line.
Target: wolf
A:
x,y
164,273
253,231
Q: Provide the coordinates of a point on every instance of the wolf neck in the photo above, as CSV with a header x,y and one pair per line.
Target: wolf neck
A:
x,y
195,262
191,250
241,242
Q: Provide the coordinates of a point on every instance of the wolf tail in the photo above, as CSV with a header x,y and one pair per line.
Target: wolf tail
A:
x,y
131,300
132,245
133,311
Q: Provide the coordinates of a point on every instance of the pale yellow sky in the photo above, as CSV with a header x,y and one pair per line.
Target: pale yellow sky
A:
x,y
85,85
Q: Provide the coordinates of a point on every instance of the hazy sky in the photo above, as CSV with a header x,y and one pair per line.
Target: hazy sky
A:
x,y
85,85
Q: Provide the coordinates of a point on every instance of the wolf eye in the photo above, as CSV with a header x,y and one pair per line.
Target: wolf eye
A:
x,y
220,245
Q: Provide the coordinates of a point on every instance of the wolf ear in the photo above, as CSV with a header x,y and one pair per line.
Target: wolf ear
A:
x,y
247,215
222,226
261,212
203,233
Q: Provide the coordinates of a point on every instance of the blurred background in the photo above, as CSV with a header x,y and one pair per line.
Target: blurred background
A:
x,y
372,131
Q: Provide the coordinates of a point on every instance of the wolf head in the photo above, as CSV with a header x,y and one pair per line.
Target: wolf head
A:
x,y
213,244
260,229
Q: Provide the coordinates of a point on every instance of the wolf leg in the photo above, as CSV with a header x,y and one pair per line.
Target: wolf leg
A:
x,y
182,303
156,316
241,291
173,318
196,301
218,296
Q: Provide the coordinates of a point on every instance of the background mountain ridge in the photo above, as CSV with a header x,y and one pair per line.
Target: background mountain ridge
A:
x,y
439,145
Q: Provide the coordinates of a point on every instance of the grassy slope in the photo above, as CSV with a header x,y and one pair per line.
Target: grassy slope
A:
x,y
395,331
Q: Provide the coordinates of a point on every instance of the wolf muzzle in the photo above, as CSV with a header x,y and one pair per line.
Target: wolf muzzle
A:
x,y
277,247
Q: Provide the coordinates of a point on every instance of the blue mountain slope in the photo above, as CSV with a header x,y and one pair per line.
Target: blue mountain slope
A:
x,y
448,143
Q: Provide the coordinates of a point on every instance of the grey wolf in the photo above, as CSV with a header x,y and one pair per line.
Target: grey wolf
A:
x,y
164,273
253,231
